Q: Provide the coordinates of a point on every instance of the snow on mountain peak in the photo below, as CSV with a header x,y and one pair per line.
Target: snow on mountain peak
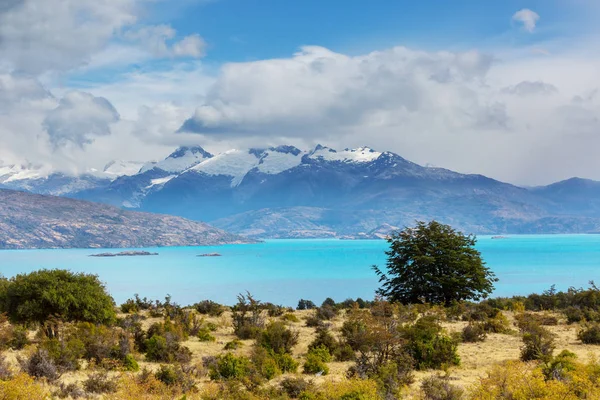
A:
x,y
118,168
14,172
180,160
358,155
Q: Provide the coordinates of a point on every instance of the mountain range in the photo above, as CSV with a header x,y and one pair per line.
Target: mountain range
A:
x,y
39,221
285,192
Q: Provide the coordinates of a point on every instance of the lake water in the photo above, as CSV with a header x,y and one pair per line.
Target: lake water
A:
x,y
283,271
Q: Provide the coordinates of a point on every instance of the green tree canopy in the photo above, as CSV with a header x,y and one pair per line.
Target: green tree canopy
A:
x,y
41,295
433,263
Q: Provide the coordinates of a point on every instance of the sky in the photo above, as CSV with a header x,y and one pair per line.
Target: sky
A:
x,y
504,88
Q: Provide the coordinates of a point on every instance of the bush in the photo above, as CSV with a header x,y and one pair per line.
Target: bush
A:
x,y
130,364
72,390
538,342
166,349
324,339
294,387
129,307
305,305
209,307
326,312
233,345
437,387
344,353
175,376
355,333
64,352
316,359
40,365
100,382
497,324
560,366
247,317
428,346
314,364
228,366
474,332
35,297
590,333
278,338
205,336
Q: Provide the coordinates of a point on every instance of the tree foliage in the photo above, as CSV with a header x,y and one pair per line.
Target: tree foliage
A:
x,y
433,263
43,295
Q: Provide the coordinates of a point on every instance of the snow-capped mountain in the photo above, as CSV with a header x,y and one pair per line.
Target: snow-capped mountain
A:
x,y
288,192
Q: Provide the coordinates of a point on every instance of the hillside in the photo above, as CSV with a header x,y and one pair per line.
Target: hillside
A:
x,y
37,221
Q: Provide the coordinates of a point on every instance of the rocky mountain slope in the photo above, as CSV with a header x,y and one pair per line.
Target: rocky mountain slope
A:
x,y
37,221
283,191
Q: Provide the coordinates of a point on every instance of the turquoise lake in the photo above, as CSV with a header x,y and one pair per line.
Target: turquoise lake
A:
x,y
283,271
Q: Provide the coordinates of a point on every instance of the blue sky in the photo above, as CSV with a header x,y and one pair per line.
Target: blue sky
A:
x,y
506,88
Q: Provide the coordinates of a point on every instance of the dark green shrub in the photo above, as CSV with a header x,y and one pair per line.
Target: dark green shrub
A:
x,y
497,324
40,365
574,314
209,307
589,333
344,353
233,345
325,339
355,334
322,352
19,338
329,302
129,307
100,382
559,367
437,387
313,322
176,376
274,310
294,387
305,305
39,295
474,332
278,338
538,342
228,366
286,363
314,364
166,349
428,346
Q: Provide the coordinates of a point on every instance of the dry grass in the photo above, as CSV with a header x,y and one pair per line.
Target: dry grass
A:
x,y
476,358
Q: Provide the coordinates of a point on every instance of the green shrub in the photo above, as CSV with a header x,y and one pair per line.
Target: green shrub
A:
x,y
175,376
344,353
314,364
286,363
278,338
36,296
538,342
322,352
326,312
130,364
64,352
474,332
209,307
428,346
355,334
129,307
228,366
305,305
437,387
558,367
100,382
589,333
166,349
205,336
233,345
497,324
71,391
324,338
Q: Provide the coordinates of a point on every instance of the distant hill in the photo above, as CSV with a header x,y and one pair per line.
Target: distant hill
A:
x,y
285,192
38,221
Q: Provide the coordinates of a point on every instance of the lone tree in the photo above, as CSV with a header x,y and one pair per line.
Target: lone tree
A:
x,y
433,263
47,295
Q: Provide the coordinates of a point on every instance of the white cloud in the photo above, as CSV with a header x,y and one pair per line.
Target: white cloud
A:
x,y
528,18
79,118
159,40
